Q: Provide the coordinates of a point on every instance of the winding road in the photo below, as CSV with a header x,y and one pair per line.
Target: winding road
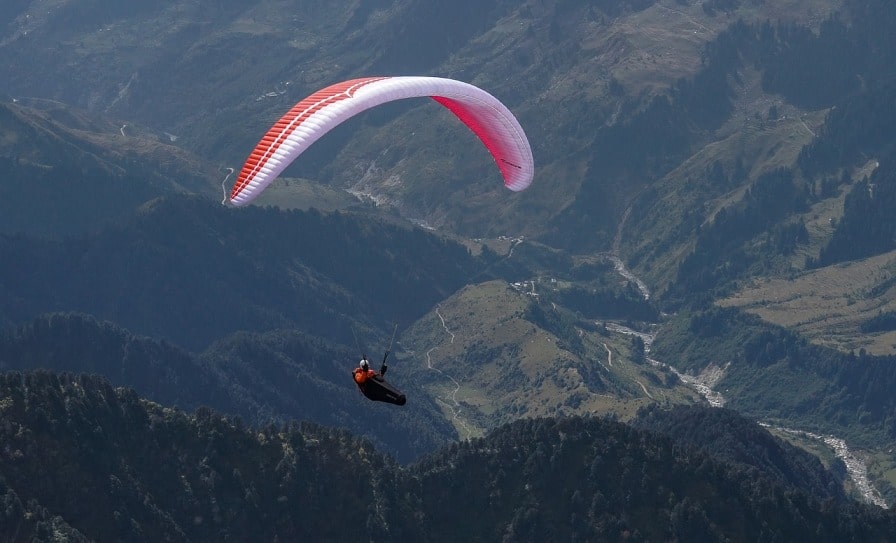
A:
x,y
454,405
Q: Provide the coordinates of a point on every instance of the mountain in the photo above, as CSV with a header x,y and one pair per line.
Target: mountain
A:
x,y
775,375
589,82
736,440
67,172
179,321
510,352
190,271
690,155
155,473
268,378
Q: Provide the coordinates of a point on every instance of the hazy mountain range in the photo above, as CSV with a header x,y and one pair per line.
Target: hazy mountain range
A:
x,y
711,217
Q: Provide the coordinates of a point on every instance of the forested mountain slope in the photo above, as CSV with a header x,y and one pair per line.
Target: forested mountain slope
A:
x,y
264,378
154,473
189,271
689,153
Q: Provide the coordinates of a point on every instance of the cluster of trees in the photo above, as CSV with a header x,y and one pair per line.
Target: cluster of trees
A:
x,y
721,254
608,302
655,138
137,471
867,227
737,440
846,56
858,127
882,322
558,322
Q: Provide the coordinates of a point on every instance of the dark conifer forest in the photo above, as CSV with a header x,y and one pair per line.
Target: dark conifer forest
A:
x,y
134,470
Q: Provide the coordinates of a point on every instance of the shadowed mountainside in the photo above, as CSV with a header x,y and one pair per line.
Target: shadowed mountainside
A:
x,y
274,377
153,473
191,271
67,172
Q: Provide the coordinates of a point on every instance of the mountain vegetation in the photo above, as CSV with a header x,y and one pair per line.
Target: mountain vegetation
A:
x,y
711,221
69,173
737,440
138,471
263,378
493,353
190,271
774,374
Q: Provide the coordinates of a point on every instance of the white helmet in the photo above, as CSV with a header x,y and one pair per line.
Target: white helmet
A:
x,y
364,364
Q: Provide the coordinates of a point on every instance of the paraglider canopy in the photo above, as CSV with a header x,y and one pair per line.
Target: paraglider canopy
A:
x,y
319,113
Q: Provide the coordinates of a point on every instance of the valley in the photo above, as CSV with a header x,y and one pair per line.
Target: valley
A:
x,y
706,254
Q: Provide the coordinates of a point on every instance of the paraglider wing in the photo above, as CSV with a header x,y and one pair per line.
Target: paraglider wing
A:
x,y
319,113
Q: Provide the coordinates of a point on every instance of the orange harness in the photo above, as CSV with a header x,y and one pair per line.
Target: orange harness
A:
x,y
362,376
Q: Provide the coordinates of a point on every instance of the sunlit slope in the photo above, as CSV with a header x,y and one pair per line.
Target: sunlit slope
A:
x,y
493,353
830,305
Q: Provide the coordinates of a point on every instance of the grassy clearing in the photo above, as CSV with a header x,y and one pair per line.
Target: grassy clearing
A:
x,y
662,44
882,470
828,305
809,12
507,367
814,446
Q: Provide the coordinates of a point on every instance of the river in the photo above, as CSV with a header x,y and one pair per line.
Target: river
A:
x,y
713,374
